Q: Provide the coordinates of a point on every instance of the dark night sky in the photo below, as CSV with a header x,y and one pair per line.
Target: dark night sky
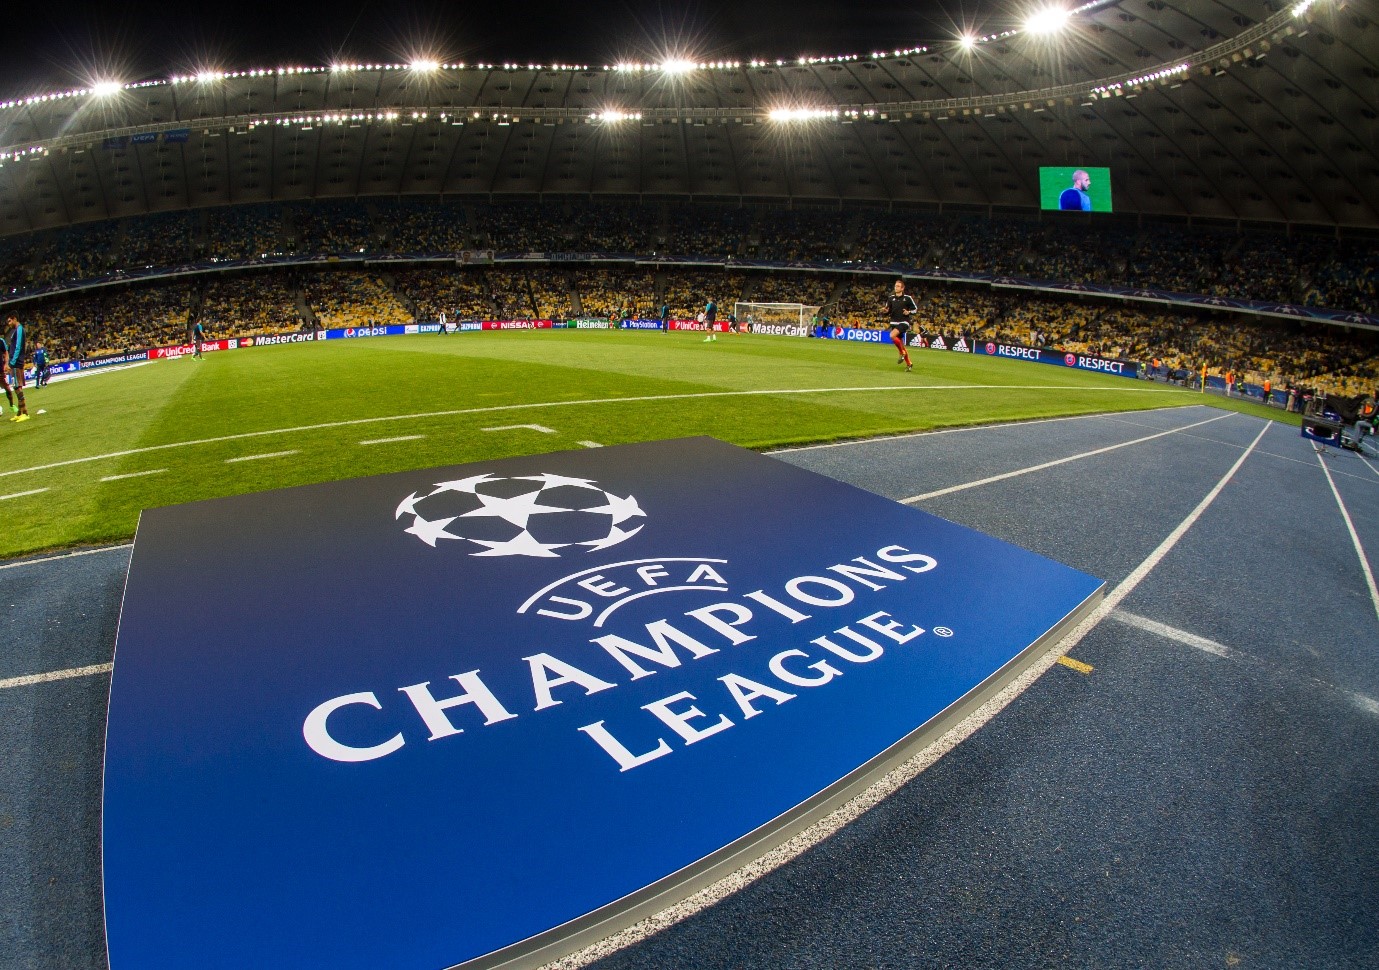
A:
x,y
44,47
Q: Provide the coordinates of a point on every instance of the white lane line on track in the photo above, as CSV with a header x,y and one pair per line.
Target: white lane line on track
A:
x,y
1059,461
28,679
975,427
1127,585
32,491
1354,537
1364,702
388,441
1368,465
266,454
641,399
65,555
116,478
1172,633
902,775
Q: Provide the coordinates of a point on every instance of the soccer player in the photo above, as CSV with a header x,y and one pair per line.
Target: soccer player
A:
x,y
198,335
1077,198
13,344
710,315
665,318
40,366
899,308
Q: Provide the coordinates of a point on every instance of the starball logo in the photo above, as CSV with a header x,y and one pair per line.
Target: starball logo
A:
x,y
543,516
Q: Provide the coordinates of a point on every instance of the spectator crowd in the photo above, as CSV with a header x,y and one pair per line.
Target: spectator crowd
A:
x,y
118,318
1324,269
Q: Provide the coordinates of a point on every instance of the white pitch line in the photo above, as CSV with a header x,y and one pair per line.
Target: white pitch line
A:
x,y
1172,633
1354,537
65,555
267,454
522,427
116,478
591,444
32,491
640,399
1058,461
388,441
28,679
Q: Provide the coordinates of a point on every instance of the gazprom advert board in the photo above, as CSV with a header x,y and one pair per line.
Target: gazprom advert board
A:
x,y
420,719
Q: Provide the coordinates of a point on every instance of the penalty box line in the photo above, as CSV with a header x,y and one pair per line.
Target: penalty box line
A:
x,y
325,425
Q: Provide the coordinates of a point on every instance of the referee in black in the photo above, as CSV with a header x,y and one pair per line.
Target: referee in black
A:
x,y
899,308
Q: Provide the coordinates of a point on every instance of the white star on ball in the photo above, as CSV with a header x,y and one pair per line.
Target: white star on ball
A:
x,y
516,510
464,484
429,532
621,509
522,544
550,480
408,506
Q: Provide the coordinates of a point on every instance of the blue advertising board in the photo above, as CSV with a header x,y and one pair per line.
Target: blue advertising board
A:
x,y
863,334
1058,358
420,719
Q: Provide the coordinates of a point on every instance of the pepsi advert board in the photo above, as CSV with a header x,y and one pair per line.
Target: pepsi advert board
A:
x,y
462,716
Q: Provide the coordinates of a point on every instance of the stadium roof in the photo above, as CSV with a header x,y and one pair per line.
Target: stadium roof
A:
x,y
1206,108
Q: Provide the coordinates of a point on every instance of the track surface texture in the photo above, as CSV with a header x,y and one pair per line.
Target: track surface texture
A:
x,y
1204,796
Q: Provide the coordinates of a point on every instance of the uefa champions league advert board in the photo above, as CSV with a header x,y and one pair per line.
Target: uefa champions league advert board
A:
x,y
459,716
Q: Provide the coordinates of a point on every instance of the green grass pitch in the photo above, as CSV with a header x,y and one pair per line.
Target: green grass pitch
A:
x,y
170,431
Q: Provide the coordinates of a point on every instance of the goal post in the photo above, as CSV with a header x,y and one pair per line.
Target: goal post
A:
x,y
795,319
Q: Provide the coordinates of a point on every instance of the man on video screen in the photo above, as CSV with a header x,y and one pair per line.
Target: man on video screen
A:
x,y
1077,198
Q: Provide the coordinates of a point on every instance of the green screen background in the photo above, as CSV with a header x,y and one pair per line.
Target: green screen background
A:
x,y
1052,182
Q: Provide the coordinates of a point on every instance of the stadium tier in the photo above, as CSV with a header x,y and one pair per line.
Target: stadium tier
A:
x,y
1218,161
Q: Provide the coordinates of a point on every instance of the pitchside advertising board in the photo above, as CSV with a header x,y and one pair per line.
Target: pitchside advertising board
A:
x,y
1059,358
470,713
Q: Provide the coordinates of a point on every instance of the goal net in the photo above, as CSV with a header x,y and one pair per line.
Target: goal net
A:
x,y
752,316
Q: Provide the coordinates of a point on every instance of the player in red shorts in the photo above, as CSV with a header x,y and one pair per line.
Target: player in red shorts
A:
x,y
899,309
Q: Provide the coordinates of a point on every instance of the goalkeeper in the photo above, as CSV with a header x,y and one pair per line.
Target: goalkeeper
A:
x,y
899,308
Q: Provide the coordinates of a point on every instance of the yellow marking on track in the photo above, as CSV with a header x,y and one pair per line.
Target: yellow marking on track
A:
x,y
1077,665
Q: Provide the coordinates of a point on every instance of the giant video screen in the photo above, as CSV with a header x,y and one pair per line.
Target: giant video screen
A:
x,y
1075,188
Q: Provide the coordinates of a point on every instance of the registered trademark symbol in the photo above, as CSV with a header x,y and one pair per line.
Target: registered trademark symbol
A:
x,y
942,631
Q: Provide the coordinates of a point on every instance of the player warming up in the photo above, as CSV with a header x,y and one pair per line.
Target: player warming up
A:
x,y
12,347
899,308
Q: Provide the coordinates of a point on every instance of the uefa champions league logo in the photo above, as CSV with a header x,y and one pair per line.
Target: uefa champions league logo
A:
x,y
543,515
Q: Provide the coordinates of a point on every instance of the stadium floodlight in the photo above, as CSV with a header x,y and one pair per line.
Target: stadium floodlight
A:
x,y
104,89
678,66
801,114
967,42
615,116
206,77
426,64
1049,20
